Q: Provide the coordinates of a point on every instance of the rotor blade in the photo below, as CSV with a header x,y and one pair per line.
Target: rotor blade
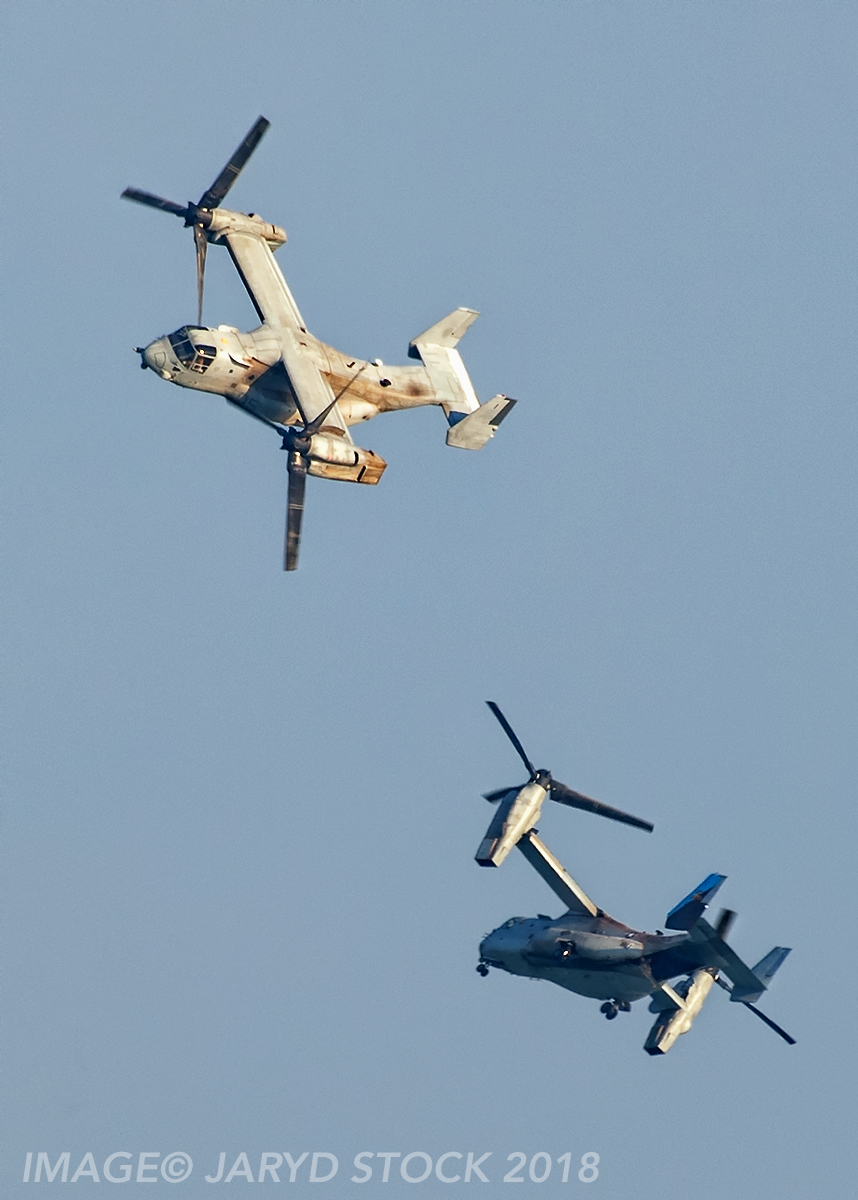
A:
x,y
201,242
180,210
317,422
496,796
315,425
295,509
564,795
768,1020
213,197
510,733
725,923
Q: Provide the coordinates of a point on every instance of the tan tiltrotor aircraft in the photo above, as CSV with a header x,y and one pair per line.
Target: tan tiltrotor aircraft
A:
x,y
281,374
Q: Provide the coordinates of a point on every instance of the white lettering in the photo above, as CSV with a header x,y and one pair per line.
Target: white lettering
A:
x,y
126,1168
387,1155
293,1166
265,1165
27,1166
512,1175
589,1167
546,1167
474,1166
447,1178
410,1178
362,1167
217,1178
176,1166
143,1166
90,1170
242,1162
332,1158
62,1161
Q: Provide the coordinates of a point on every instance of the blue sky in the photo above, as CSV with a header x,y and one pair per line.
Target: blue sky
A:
x,y
240,908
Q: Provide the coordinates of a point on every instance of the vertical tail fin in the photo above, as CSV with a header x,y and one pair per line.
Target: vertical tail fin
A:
x,y
684,914
471,424
766,967
436,349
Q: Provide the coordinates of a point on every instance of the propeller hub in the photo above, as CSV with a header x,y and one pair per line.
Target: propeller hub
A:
x,y
297,440
194,215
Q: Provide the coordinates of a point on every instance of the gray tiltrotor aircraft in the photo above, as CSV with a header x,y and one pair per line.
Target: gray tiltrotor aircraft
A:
x,y
308,392
589,952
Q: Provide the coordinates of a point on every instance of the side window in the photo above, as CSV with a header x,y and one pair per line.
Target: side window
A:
x,y
204,358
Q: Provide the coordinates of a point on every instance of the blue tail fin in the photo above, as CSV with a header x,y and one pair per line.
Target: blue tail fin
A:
x,y
688,911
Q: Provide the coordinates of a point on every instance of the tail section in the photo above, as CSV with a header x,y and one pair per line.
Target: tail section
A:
x,y
472,432
471,424
712,951
447,333
684,914
766,967
708,957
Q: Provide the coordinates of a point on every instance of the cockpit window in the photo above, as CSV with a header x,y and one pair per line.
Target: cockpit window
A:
x,y
196,358
182,347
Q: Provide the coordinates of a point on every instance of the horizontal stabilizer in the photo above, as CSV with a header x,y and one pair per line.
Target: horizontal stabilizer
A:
x,y
746,985
471,432
694,905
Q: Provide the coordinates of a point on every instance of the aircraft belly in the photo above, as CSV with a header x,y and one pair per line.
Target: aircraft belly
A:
x,y
626,981
598,981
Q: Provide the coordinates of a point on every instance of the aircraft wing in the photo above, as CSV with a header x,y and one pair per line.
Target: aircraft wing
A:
x,y
272,299
556,875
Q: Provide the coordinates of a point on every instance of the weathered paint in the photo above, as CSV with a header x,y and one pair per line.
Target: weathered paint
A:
x,y
280,373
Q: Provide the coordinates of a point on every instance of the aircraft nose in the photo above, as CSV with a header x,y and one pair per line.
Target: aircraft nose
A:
x,y
489,946
154,356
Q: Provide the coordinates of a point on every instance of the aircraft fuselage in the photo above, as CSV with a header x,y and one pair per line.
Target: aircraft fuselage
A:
x,y
245,369
596,957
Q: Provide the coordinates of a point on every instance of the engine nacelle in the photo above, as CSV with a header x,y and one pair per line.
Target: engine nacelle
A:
x,y
334,458
516,815
675,1021
221,222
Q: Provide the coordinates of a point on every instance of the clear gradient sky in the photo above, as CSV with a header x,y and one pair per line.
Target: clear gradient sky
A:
x,y
239,904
